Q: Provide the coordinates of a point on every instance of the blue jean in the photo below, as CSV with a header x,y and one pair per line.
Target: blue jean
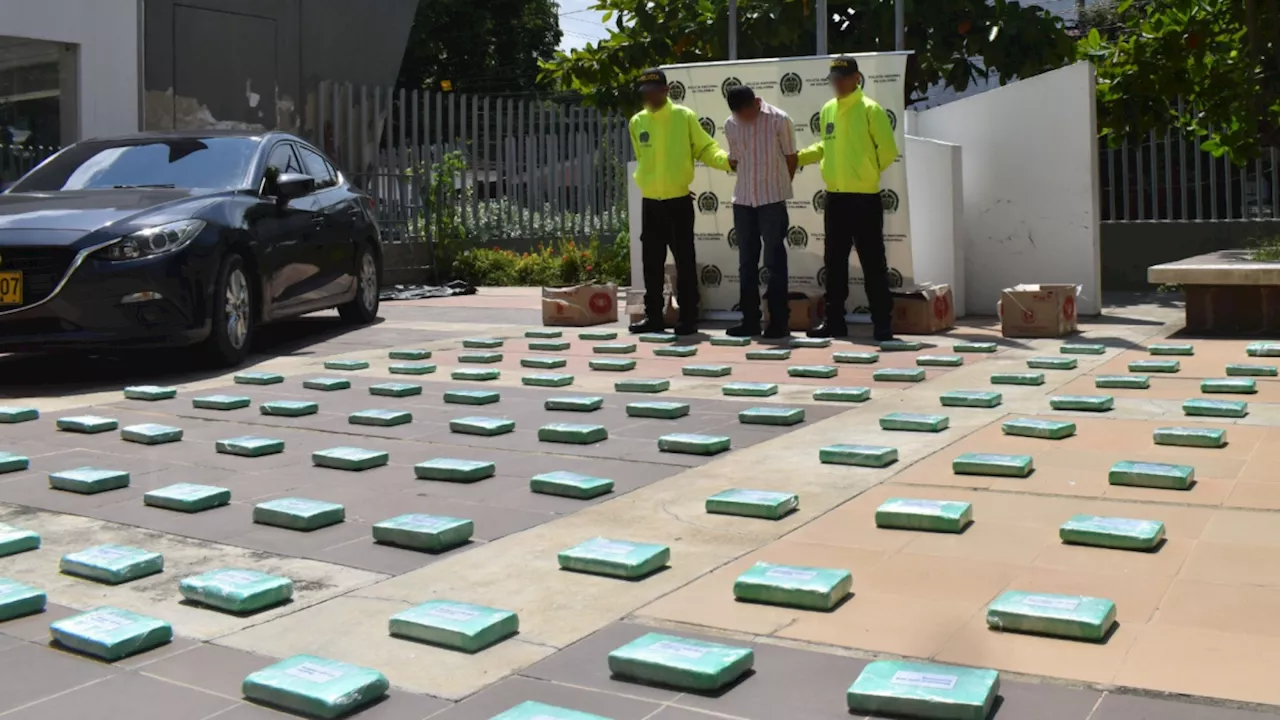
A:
x,y
755,226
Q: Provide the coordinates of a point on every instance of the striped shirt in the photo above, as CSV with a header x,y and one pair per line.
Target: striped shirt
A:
x,y
760,149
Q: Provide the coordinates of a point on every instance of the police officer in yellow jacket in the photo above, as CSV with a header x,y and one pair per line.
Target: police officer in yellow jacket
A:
x,y
667,140
857,146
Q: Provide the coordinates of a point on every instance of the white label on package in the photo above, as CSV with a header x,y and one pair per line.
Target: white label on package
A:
x,y
109,553
1122,524
311,672
100,622
757,496
932,505
675,648
425,522
185,490
1051,603
453,613
238,577
791,574
611,548
924,680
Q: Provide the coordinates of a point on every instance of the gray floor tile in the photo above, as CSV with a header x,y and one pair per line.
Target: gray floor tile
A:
x,y
209,667
1036,701
35,628
513,691
1130,707
34,672
586,664
131,696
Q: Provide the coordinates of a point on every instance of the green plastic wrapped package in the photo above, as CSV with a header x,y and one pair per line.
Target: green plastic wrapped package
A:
x,y
642,386
482,343
915,422
349,458
1168,349
1238,386
843,394
1075,617
971,398
1091,403
409,354
1043,429
813,371
1263,350
395,389
530,710
692,444
1152,475
706,370
1052,363
549,346
1155,366
112,564
543,363
187,497
380,418
726,341
615,558
14,540
315,687
289,408
924,691
939,361
596,335
258,378
769,354
111,634
1127,382
748,389
476,374
18,600
856,358
612,364
12,462
412,368
949,516
900,345
974,347
89,481
1215,408
151,434
572,434
898,375
753,503
873,456
1112,532
1204,437
298,514
327,384
680,351
10,415
472,397
1017,378
1244,370
771,416
993,465
250,446
681,663
429,533
87,424
574,404
346,365
150,393
807,588
570,484
454,625
659,410
451,470
614,349
237,590
484,426
808,342
543,333
1082,349
547,380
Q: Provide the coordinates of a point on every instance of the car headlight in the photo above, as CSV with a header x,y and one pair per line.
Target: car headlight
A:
x,y
156,240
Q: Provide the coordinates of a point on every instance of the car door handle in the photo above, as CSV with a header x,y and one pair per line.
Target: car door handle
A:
x,y
318,221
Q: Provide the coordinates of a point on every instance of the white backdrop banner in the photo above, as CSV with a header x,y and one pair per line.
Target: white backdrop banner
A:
x,y
799,87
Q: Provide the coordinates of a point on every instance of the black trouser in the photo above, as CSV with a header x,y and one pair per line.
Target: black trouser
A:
x,y
856,220
668,224
762,228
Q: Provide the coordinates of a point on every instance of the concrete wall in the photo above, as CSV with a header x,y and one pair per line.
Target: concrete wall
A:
x,y
105,36
1031,210
1128,249
935,184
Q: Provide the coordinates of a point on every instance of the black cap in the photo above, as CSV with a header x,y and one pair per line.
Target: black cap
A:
x,y
843,66
651,79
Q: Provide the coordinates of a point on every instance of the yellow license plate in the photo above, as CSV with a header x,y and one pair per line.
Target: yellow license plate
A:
x,y
10,287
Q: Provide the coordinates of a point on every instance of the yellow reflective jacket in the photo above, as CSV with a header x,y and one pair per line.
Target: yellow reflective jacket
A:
x,y
667,142
857,144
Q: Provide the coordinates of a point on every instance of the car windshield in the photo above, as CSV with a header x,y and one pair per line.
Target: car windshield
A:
x,y
206,163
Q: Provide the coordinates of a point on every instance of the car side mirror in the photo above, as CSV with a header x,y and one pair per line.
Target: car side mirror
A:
x,y
290,186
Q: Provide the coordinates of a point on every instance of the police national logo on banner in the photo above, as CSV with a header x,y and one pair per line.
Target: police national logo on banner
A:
x,y
708,125
675,91
729,84
822,276
820,201
732,237
797,237
895,278
708,203
889,200
711,276
762,277
815,123
893,118
791,85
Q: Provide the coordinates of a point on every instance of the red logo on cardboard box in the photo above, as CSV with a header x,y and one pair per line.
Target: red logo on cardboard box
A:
x,y
599,303
1028,316
1069,307
940,306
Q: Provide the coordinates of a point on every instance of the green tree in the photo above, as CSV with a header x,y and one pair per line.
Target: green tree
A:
x,y
954,41
1221,57
493,46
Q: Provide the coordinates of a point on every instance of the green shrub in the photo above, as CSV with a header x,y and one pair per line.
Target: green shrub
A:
x,y
561,263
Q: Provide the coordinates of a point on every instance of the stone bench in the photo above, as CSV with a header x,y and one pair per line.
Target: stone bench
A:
x,y
1227,292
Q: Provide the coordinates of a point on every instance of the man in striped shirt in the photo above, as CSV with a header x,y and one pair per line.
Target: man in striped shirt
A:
x,y
762,151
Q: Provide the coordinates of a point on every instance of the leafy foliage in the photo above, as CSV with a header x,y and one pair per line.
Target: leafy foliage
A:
x,y
560,263
945,35
1222,57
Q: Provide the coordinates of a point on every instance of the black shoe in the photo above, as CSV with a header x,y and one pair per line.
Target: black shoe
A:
x,y
647,326
744,330
686,327
883,334
775,332
829,330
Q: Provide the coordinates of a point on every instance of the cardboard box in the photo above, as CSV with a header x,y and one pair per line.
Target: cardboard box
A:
x,y
580,305
801,311
923,309
1038,311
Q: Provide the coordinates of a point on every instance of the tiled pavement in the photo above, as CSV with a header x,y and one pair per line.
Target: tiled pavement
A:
x,y
1196,617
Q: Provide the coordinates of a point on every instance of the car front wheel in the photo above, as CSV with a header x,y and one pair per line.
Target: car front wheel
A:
x,y
233,314
363,308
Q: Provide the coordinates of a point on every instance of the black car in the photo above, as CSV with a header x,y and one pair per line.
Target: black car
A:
x,y
173,239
